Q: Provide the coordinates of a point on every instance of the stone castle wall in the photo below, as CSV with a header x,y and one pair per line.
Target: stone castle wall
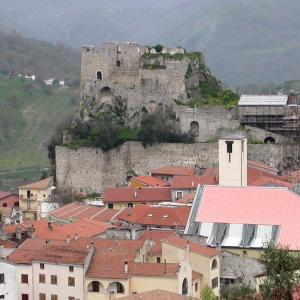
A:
x,y
92,170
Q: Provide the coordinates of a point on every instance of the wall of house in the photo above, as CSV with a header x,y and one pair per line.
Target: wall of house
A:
x,y
62,290
92,170
184,193
8,289
24,288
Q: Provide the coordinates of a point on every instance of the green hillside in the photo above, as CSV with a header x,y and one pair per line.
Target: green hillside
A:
x,y
30,113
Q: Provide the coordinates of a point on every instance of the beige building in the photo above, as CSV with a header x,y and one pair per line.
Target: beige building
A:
x,y
233,161
31,197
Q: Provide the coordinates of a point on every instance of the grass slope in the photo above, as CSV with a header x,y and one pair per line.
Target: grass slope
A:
x,y
29,115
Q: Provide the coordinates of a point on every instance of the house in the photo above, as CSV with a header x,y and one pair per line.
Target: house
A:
x,y
118,198
173,51
147,181
79,210
31,197
10,215
168,172
184,185
8,199
49,82
155,216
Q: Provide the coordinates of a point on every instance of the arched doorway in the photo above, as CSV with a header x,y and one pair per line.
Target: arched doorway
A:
x,y
95,287
185,288
99,75
194,128
105,95
116,287
269,140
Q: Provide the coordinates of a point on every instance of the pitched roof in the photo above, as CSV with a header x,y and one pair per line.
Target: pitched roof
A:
x,y
128,194
191,182
261,165
39,185
269,181
263,100
151,181
253,205
193,247
158,295
83,228
174,170
7,244
77,211
4,195
156,215
111,265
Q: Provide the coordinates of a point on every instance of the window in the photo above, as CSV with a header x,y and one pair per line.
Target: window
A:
x,y
2,296
71,281
44,196
179,195
130,205
158,260
28,194
2,278
196,286
4,205
54,297
42,278
184,290
42,266
118,63
42,296
214,264
215,282
71,269
99,75
26,297
71,298
53,279
24,278
110,205
229,148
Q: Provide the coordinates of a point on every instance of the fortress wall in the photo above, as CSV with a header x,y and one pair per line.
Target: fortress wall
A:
x,y
92,170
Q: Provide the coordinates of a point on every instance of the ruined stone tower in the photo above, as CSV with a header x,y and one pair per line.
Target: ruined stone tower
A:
x,y
142,79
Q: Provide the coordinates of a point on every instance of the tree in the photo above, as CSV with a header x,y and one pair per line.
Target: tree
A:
x,y
208,294
159,48
281,277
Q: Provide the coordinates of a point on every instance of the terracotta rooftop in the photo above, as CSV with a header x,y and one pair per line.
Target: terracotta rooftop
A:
x,y
253,205
187,199
156,215
269,181
261,165
4,195
195,248
111,265
39,185
7,244
83,228
128,194
151,181
191,182
77,211
158,295
174,170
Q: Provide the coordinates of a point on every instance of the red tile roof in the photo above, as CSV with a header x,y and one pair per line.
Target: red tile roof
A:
x,y
39,185
156,215
83,228
7,244
9,199
151,181
77,211
174,170
191,182
187,199
262,166
195,248
196,275
269,181
128,194
253,205
4,195
158,295
111,265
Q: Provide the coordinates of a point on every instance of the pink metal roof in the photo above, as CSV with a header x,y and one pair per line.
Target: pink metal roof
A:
x,y
253,205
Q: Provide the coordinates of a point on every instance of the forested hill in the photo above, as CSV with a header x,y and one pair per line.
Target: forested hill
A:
x,y
19,55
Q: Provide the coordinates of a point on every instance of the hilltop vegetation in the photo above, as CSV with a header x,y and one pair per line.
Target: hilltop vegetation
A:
x,y
19,55
29,115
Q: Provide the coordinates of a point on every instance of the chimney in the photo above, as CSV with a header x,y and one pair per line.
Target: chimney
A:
x,y
31,232
135,194
18,232
50,227
68,239
233,161
126,267
76,236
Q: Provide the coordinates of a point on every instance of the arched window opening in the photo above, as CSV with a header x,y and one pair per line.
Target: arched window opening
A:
x,y
214,264
184,287
99,75
269,140
194,128
116,287
95,287
118,63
